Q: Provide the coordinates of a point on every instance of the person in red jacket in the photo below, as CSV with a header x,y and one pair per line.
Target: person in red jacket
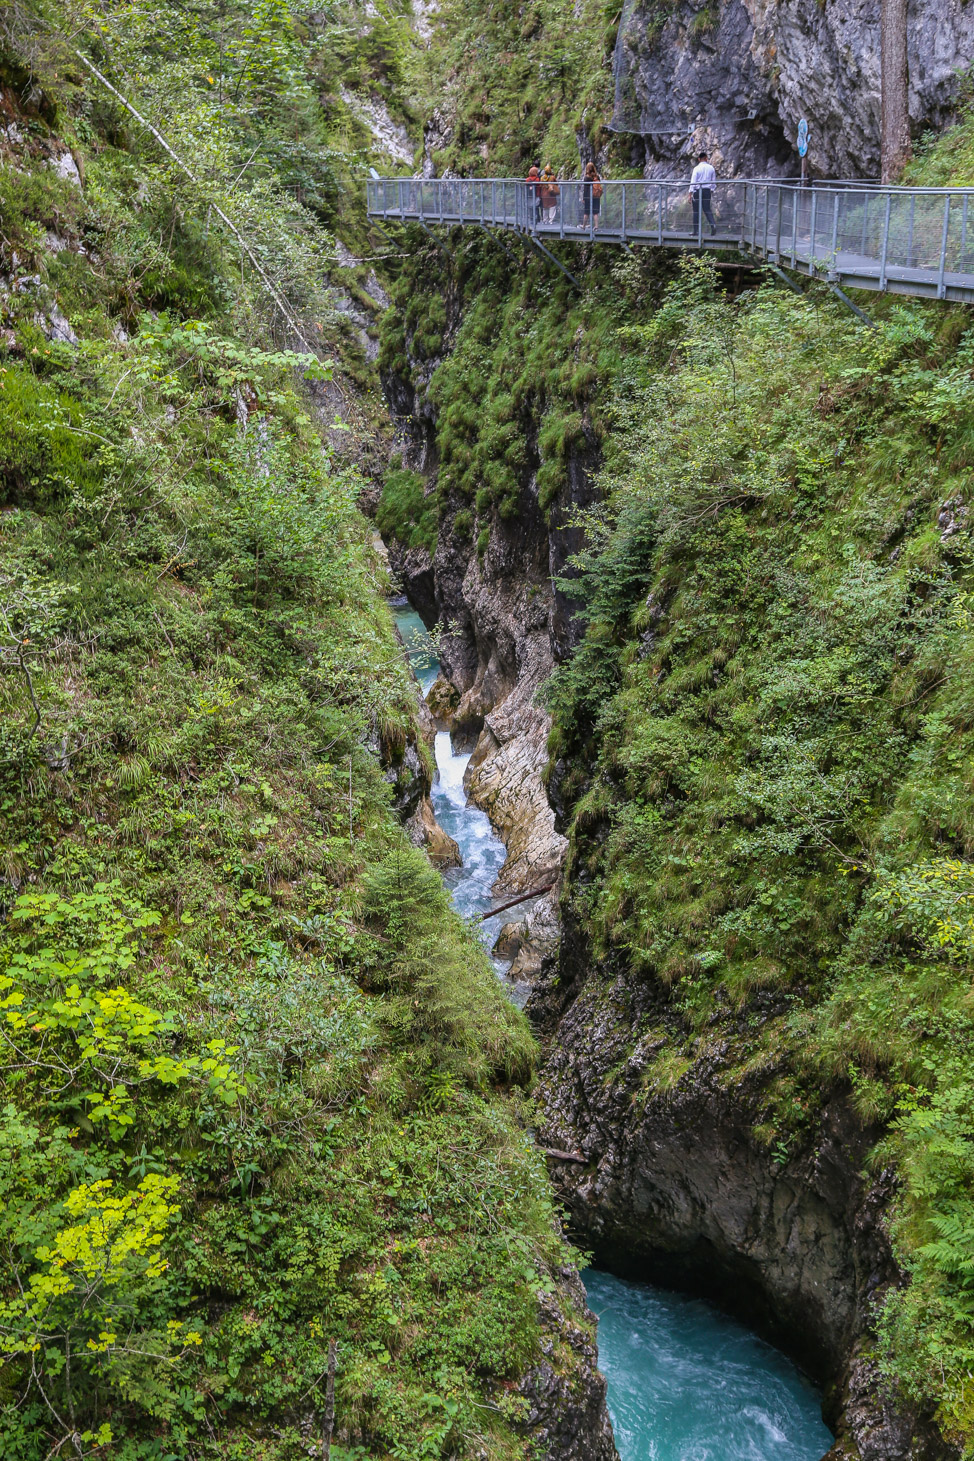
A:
x,y
533,181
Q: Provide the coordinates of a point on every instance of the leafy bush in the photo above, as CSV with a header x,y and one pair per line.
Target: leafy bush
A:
x,y
405,512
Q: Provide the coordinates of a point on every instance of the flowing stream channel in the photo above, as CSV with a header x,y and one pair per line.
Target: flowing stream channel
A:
x,y
685,1382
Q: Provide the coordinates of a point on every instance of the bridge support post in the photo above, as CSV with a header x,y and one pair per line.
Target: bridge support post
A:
x,y
549,255
780,274
941,290
396,243
430,234
498,240
882,261
854,307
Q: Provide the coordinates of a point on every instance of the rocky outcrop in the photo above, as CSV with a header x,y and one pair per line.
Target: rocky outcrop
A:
x,y
567,1418
423,830
531,939
679,1183
495,655
698,68
504,778
744,72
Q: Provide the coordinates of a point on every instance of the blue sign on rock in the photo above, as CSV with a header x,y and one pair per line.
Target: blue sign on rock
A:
x,y
802,137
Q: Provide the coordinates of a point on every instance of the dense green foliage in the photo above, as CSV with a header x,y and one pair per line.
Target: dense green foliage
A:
x,y
260,1089
523,81
522,380
403,511
764,736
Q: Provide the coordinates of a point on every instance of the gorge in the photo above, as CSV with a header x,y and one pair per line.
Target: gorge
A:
x,y
287,1169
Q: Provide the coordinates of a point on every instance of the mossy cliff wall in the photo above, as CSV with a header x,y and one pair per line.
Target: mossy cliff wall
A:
x,y
642,85
497,376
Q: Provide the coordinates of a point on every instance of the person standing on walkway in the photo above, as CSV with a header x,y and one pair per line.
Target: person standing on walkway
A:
x,y
591,195
533,181
702,180
549,194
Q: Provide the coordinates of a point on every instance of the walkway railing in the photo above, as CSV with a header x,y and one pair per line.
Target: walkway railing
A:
x,y
903,240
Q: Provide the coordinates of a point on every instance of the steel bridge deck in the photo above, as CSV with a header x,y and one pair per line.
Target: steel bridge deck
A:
x,y
917,241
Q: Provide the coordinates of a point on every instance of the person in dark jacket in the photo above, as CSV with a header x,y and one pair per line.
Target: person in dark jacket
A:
x,y
533,181
591,195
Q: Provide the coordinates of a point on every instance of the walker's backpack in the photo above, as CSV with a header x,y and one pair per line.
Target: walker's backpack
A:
x,y
596,190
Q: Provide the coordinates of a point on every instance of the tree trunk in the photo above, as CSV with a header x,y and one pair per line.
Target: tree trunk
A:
x,y
329,1425
895,140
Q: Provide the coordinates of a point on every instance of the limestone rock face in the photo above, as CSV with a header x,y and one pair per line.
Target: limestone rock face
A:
x,y
751,69
510,940
504,778
423,830
442,699
498,648
506,626
542,929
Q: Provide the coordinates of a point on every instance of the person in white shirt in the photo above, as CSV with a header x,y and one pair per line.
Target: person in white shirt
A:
x,y
702,180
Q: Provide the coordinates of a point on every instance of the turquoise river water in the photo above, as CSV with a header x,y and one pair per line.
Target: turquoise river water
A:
x,y
685,1382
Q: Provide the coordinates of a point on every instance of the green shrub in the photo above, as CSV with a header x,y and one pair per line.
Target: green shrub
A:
x,y
405,512
47,453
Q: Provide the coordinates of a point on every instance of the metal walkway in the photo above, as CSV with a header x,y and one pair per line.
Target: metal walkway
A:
x,y
899,240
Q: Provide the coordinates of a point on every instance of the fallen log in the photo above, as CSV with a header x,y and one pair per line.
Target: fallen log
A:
x,y
492,912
